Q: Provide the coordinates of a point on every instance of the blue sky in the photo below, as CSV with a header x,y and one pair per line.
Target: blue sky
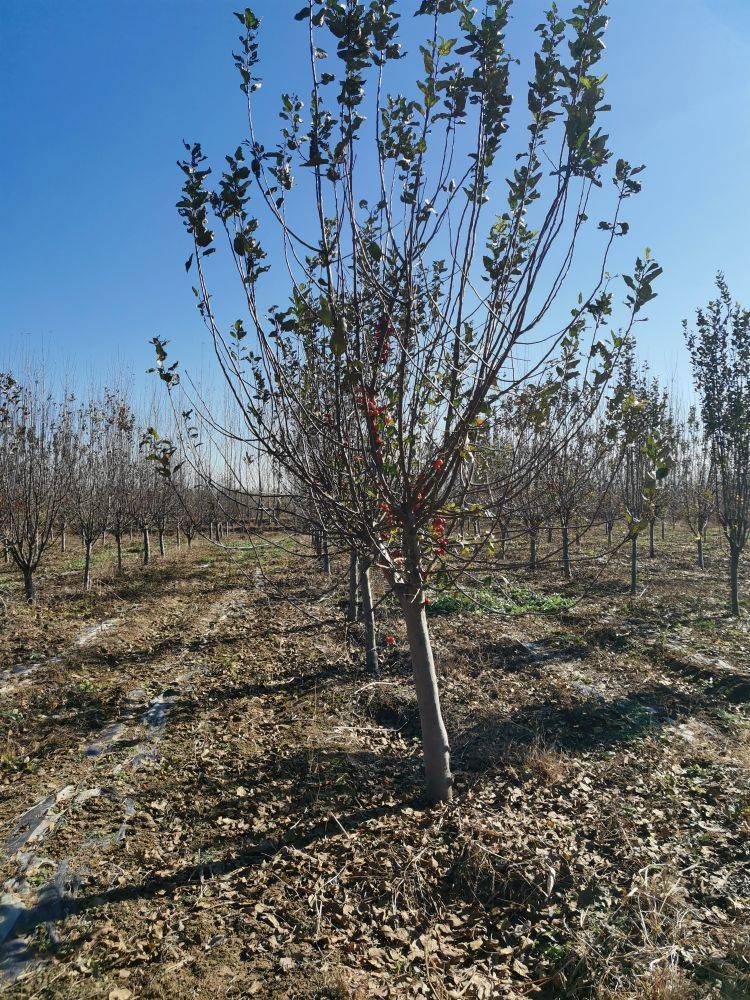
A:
x,y
98,94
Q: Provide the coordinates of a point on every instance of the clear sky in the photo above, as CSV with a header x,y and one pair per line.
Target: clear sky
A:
x,y
98,94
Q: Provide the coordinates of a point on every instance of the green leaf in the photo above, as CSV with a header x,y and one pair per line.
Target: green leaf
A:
x,y
339,338
326,316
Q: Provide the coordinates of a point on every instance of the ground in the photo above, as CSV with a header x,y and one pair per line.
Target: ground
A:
x,y
202,794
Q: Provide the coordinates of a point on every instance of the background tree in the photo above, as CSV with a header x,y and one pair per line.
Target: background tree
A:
x,y
122,457
643,427
569,478
36,451
695,487
92,479
720,355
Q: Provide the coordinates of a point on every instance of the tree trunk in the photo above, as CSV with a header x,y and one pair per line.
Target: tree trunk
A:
x,y
161,542
549,534
352,605
609,533
503,540
663,529
118,545
701,560
435,747
634,565
532,551
29,585
651,547
566,553
146,547
179,539
325,556
87,545
63,538
6,552
368,617
189,539
734,578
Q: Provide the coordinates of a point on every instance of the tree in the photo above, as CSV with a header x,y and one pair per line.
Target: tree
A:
x,y
163,508
144,489
36,451
91,479
720,355
122,452
390,350
696,480
570,482
639,409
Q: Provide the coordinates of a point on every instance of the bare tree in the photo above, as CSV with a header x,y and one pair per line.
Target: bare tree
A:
x,y
91,479
123,458
35,463
646,433
696,480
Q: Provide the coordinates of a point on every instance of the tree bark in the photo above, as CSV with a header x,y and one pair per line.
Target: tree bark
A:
x,y
28,585
734,578
566,553
179,538
146,547
372,664
435,746
352,607
118,545
63,538
532,551
87,546
651,547
161,542
324,553
701,558
634,565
